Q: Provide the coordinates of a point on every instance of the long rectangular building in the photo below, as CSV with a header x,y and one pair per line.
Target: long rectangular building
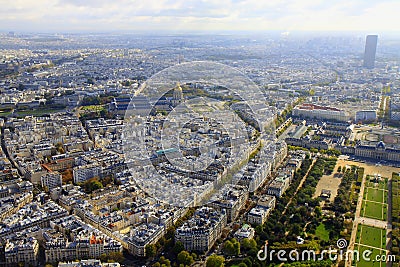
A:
x,y
313,111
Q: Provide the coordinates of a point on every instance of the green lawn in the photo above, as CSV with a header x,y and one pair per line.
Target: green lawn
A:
x,y
321,232
372,236
383,185
374,210
374,203
373,239
371,257
376,195
36,112
5,113
93,108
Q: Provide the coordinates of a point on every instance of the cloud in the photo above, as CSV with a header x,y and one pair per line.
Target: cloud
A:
x,y
134,15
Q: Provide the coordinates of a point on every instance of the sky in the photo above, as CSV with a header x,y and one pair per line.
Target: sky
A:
x,y
373,16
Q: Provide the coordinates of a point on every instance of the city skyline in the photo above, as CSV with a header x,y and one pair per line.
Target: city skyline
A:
x,y
183,16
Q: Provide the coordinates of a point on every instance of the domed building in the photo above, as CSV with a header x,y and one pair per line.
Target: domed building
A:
x,y
177,95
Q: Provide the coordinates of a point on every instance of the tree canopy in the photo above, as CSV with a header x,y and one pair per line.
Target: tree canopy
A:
x,y
215,261
185,258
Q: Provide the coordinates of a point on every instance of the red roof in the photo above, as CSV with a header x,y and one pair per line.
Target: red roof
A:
x,y
313,106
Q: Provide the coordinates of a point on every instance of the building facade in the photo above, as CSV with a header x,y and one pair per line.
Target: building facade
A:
x,y
313,111
86,172
201,231
366,116
23,250
378,152
51,180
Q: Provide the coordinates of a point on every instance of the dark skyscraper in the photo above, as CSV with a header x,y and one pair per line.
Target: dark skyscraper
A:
x,y
370,51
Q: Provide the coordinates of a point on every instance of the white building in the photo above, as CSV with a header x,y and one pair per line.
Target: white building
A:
x,y
278,186
366,116
86,172
201,231
245,232
258,215
319,112
143,235
51,180
24,250
232,201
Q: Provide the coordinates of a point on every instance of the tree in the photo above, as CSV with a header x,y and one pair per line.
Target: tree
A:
x,y
231,247
248,244
60,148
185,258
194,255
339,169
178,247
103,113
91,185
116,257
236,246
170,233
215,261
228,248
297,229
150,250
112,257
165,262
67,176
248,262
318,211
107,180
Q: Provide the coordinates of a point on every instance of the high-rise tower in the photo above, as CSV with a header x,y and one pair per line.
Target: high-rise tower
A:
x,y
370,51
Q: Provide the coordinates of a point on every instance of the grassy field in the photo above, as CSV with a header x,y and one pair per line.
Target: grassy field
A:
x,y
93,108
371,236
373,239
5,113
374,203
322,233
374,210
376,195
371,262
37,112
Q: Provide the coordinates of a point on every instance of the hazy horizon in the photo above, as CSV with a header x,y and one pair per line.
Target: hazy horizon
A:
x,y
125,16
